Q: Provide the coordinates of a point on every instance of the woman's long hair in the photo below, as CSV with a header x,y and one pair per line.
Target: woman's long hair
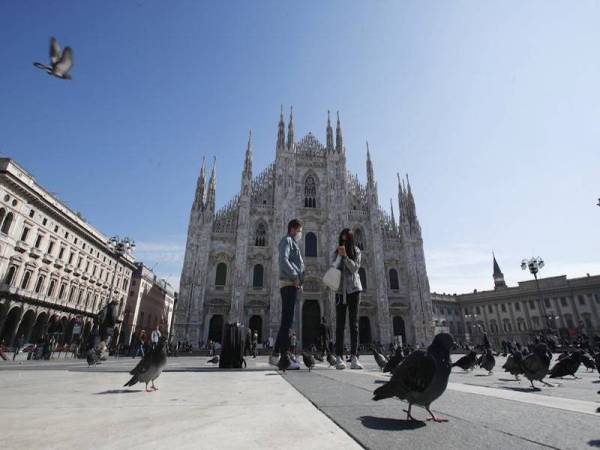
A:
x,y
348,243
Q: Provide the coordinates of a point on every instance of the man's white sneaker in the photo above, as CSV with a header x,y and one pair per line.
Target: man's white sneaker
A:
x,y
354,364
274,360
293,365
339,363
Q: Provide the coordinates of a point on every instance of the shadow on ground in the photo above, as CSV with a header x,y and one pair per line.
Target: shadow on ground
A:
x,y
386,423
119,391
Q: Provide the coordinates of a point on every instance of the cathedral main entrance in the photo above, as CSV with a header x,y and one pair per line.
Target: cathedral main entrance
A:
x,y
311,318
215,328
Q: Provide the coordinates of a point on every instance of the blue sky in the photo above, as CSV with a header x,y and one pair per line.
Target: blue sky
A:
x,y
493,108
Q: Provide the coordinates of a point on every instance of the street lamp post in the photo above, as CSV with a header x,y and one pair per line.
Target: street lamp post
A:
x,y
534,265
120,247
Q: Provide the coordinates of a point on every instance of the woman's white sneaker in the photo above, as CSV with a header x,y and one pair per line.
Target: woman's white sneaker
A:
x,y
339,363
354,364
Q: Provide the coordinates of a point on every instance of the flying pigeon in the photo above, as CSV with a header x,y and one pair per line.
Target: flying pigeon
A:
x,y
379,359
214,360
421,377
331,360
488,361
60,62
92,357
513,364
394,360
567,366
466,362
151,366
309,360
535,365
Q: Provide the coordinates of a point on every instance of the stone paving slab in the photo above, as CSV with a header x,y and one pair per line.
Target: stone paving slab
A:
x,y
196,406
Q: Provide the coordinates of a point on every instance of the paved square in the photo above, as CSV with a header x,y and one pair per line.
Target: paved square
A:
x,y
65,404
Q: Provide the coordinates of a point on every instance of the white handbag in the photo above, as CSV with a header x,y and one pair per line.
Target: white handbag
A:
x,y
332,277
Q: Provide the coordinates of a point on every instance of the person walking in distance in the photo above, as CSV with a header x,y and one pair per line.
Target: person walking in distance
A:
x,y
347,298
293,343
155,336
291,277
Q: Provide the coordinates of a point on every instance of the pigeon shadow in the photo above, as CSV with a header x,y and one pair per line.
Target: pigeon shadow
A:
x,y
119,391
386,423
482,375
594,443
380,381
596,381
507,379
522,389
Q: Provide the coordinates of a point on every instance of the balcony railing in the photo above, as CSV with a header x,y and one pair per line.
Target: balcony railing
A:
x,y
35,252
21,246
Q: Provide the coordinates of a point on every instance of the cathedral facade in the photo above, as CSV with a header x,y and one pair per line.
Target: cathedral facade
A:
x,y
230,270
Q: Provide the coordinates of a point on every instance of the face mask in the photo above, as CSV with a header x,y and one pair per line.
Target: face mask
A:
x,y
298,236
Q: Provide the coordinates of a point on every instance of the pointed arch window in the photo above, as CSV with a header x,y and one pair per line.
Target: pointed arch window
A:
x,y
221,275
260,239
310,192
257,276
394,285
310,244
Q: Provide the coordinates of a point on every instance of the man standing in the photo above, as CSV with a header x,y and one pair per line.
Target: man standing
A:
x,y
291,277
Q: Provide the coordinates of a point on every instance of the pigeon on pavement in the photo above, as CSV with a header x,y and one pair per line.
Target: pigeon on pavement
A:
x,y
394,360
535,365
513,364
331,360
466,362
284,361
488,361
379,359
151,366
587,362
214,360
92,357
60,62
309,360
319,358
421,377
567,366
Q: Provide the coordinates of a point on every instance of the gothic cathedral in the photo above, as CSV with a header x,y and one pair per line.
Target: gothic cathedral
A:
x,y
230,270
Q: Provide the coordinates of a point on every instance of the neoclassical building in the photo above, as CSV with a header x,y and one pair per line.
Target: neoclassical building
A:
x,y
56,270
230,270
566,306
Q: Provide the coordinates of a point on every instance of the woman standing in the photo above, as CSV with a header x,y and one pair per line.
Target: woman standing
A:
x,y
347,298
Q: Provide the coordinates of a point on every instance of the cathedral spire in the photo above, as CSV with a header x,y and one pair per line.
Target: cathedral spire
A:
x,y
281,132
498,275
212,187
329,134
200,186
248,160
370,176
290,135
339,144
393,218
